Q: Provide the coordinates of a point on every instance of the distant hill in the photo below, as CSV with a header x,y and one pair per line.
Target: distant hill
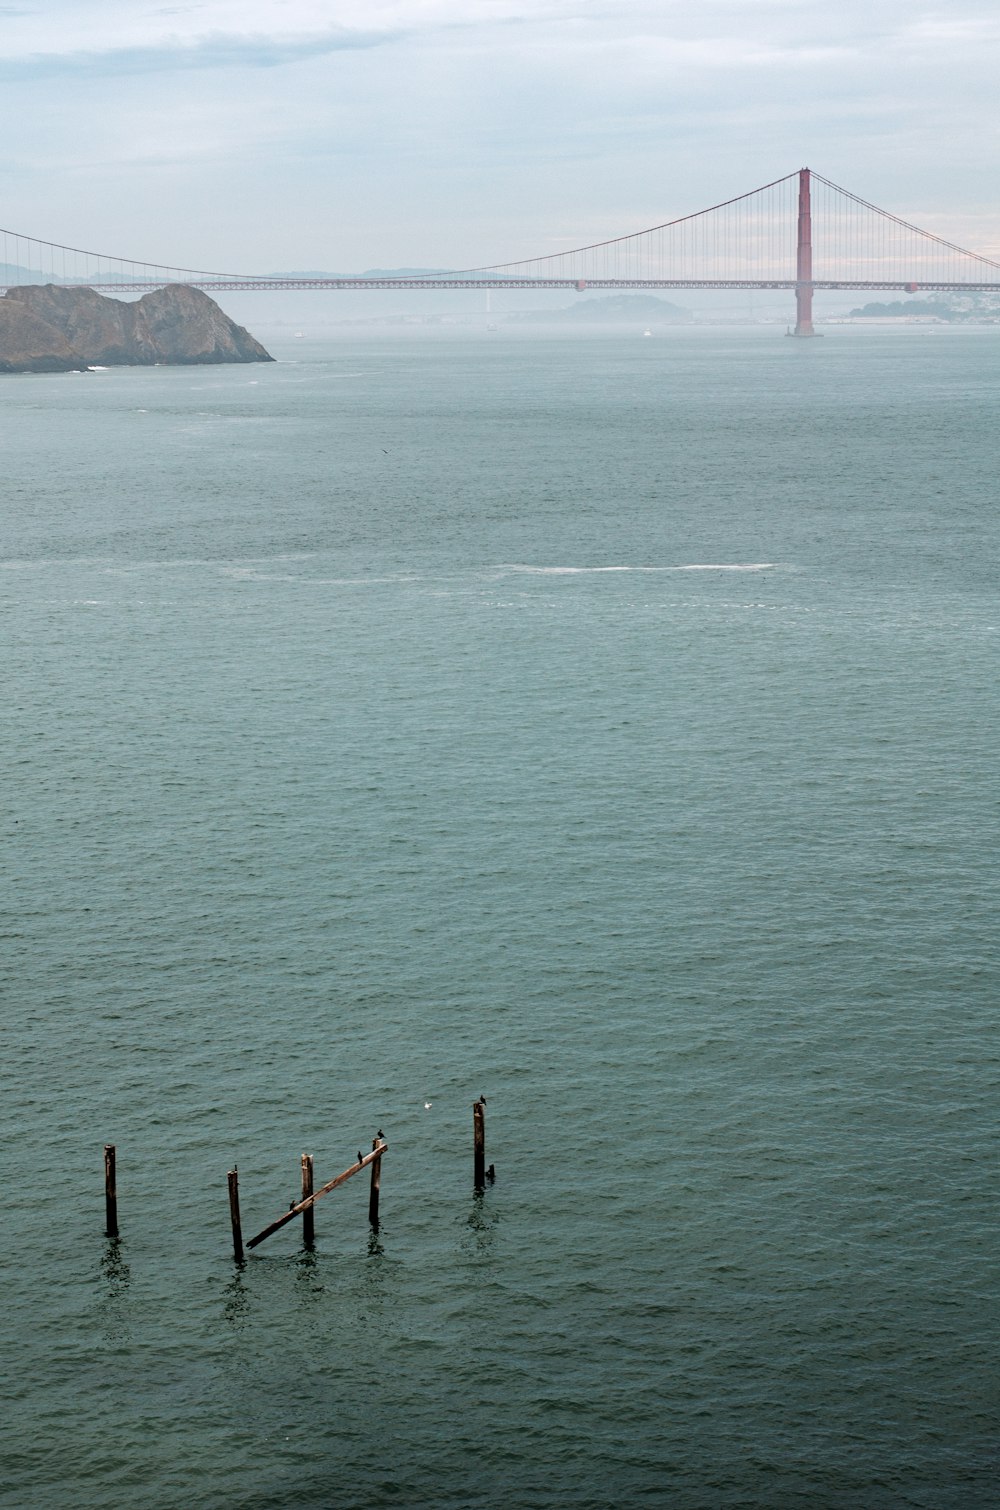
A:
x,y
906,309
403,272
617,309
14,276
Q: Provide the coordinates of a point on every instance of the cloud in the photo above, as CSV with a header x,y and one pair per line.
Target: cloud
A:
x,y
213,52
449,131
933,30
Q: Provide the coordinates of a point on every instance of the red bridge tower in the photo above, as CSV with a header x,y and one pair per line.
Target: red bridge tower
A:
x,y
804,260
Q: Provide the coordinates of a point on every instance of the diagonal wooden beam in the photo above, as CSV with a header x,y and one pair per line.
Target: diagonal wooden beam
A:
x,y
294,1211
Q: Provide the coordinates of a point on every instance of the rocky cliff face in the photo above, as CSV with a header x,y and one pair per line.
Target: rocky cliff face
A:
x,y
29,344
46,328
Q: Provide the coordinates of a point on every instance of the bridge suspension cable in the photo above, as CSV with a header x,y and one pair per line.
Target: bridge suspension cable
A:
x,y
858,241
763,238
681,248
751,239
28,259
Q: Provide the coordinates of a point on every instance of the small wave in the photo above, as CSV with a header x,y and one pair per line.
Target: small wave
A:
x,y
250,574
403,579
576,571
572,571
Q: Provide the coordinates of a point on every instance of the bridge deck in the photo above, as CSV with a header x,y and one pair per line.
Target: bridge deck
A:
x,y
579,285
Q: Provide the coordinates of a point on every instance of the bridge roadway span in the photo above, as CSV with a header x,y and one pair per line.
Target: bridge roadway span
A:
x,y
578,285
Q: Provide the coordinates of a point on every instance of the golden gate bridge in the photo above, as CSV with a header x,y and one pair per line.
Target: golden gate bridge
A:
x,y
801,232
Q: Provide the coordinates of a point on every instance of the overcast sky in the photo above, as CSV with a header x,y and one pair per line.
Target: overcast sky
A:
x,y
262,134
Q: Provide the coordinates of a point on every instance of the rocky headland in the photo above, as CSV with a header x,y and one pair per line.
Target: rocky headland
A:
x,y
48,328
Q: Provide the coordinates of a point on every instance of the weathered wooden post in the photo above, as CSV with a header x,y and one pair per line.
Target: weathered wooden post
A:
x,y
376,1182
234,1213
110,1191
479,1143
308,1216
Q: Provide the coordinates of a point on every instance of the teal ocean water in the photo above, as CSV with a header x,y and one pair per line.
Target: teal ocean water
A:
x,y
604,726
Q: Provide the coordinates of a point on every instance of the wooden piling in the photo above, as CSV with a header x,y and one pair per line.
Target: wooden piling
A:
x,y
110,1191
234,1214
479,1143
308,1215
376,1184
